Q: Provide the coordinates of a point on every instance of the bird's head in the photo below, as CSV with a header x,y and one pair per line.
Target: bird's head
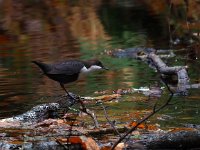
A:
x,y
94,64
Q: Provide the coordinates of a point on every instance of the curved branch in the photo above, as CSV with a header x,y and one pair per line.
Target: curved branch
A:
x,y
141,121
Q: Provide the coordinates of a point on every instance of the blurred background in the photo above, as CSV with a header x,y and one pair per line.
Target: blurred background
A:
x,y
56,30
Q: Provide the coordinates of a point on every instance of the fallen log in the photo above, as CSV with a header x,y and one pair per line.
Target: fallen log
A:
x,y
183,80
162,67
177,140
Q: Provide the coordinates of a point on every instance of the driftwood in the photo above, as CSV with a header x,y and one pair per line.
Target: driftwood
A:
x,y
183,80
161,66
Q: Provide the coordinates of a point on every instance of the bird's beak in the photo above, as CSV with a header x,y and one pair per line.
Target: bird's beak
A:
x,y
105,68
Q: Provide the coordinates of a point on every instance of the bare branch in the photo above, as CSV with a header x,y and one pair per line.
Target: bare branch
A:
x,y
110,122
89,112
141,121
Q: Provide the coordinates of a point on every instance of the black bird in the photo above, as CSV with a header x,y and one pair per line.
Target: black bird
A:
x,y
68,71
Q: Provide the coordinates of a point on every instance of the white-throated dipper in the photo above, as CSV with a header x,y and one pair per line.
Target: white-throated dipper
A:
x,y
68,71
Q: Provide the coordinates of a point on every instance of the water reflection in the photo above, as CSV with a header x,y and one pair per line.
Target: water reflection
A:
x,y
58,30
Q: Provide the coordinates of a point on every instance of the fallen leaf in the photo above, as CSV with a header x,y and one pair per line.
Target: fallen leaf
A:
x,y
73,140
182,129
141,126
108,97
17,142
104,97
71,123
87,143
47,123
144,126
120,146
70,116
136,133
59,121
9,124
106,148
91,144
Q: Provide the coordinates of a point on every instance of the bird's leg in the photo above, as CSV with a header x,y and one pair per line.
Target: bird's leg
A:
x,y
80,101
83,109
62,85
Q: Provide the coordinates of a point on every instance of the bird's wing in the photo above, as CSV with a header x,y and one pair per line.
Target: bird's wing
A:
x,y
67,68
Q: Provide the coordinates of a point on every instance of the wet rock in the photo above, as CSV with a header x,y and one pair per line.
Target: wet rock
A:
x,y
41,112
3,134
141,53
48,145
134,52
36,114
4,145
135,146
194,126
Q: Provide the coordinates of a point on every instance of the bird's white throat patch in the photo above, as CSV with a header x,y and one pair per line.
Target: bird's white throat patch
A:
x,y
92,68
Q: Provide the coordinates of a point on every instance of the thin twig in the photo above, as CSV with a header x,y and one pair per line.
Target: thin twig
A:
x,y
83,109
110,122
88,112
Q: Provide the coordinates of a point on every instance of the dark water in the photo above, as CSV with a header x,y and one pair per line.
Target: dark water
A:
x,y
83,33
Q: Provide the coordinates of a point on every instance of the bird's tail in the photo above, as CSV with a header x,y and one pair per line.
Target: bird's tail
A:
x,y
44,67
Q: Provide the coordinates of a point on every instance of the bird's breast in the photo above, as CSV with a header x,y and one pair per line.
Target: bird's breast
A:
x,y
90,69
84,70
